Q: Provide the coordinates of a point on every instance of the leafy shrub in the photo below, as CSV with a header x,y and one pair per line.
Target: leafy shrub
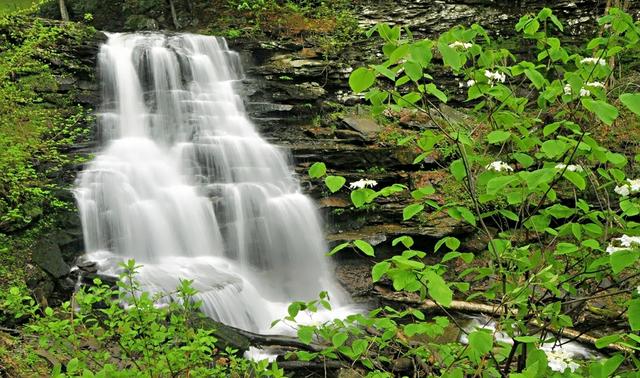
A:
x,y
555,208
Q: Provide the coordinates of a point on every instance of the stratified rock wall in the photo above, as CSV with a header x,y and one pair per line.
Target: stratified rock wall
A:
x,y
301,100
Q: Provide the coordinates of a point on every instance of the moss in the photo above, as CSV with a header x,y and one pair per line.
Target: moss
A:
x,y
38,123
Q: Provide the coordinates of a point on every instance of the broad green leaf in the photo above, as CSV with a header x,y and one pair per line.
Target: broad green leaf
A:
x,y
317,170
413,70
536,78
338,248
432,89
379,270
411,210
365,247
339,338
498,136
576,179
407,241
450,56
631,101
334,183
622,259
634,314
305,334
458,170
603,110
438,289
361,79
481,341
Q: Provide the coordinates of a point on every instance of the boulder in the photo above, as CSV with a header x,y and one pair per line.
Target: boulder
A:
x,y
47,255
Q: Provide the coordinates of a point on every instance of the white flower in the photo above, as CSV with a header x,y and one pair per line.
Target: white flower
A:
x,y
362,183
634,184
495,77
622,190
471,83
599,61
560,360
628,241
567,89
570,167
460,84
499,166
457,44
623,243
638,289
584,92
595,84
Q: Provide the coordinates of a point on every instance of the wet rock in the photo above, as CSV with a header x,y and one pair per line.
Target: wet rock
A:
x,y
47,255
366,126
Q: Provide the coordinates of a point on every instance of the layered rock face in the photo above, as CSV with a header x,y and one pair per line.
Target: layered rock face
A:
x,y
301,100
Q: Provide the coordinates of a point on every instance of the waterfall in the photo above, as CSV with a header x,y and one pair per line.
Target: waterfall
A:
x,y
186,186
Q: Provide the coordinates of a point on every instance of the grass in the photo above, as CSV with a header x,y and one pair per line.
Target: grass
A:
x,y
9,6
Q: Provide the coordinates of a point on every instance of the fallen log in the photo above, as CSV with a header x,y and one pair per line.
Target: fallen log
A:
x,y
240,339
490,310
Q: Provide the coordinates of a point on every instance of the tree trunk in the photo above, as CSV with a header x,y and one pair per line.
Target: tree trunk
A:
x,y
174,15
64,13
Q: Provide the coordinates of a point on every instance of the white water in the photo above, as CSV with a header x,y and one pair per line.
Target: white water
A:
x,y
187,187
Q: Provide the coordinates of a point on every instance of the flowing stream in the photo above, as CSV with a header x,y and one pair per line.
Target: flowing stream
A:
x,y
187,187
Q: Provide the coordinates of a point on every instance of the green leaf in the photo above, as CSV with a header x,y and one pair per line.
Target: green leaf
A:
x,y
338,248
634,314
359,197
576,179
385,71
411,210
379,270
334,183
305,334
420,193
607,340
450,56
496,184
339,338
527,339
317,170
361,79
407,241
457,169
438,289
622,259
432,89
365,247
481,341
536,77
631,101
603,110
498,136
413,70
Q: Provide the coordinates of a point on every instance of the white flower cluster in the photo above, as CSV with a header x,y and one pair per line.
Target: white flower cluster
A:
x,y
363,183
495,77
623,243
464,45
560,360
631,187
499,166
570,167
584,91
595,84
470,83
599,61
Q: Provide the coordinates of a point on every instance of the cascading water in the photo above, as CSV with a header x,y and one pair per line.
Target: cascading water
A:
x,y
188,188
